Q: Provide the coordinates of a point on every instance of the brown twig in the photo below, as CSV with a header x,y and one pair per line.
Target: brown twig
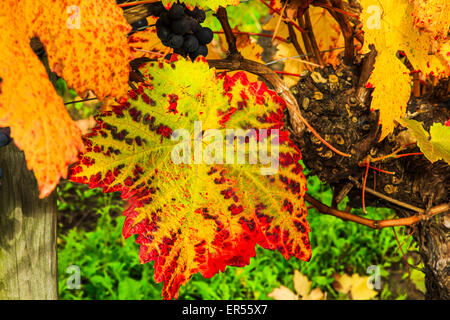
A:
x,y
305,35
222,16
362,93
346,28
294,40
267,35
134,14
129,4
312,38
403,254
389,199
376,224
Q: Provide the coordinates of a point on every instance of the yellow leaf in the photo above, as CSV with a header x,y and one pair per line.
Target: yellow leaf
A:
x,y
197,215
389,26
432,16
302,285
316,294
360,289
356,285
418,278
282,293
342,283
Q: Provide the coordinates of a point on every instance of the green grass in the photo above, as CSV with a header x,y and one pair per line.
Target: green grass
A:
x,y
110,267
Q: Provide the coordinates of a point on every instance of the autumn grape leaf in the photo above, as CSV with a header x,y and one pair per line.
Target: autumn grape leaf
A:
x,y
199,216
204,4
86,44
40,125
85,41
434,145
432,16
389,25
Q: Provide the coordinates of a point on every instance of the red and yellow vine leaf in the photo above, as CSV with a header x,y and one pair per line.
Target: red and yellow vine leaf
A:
x,y
204,4
434,145
389,25
199,216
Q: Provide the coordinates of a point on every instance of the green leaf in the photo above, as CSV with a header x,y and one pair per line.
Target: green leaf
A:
x,y
434,145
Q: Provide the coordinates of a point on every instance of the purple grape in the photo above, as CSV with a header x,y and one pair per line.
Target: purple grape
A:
x,y
201,51
199,15
176,41
180,26
204,35
176,12
163,32
5,138
190,44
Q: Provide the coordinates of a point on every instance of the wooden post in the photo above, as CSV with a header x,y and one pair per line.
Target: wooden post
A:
x,y
28,256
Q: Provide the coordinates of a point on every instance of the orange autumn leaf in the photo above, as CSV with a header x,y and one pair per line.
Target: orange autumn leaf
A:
x,y
147,44
86,44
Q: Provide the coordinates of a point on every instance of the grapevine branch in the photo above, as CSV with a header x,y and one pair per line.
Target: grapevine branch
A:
x,y
388,199
267,35
310,36
344,24
377,224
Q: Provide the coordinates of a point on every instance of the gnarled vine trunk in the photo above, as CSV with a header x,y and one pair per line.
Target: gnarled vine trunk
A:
x,y
433,238
28,256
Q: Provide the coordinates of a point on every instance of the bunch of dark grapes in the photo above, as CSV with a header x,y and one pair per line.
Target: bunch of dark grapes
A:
x,y
179,28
